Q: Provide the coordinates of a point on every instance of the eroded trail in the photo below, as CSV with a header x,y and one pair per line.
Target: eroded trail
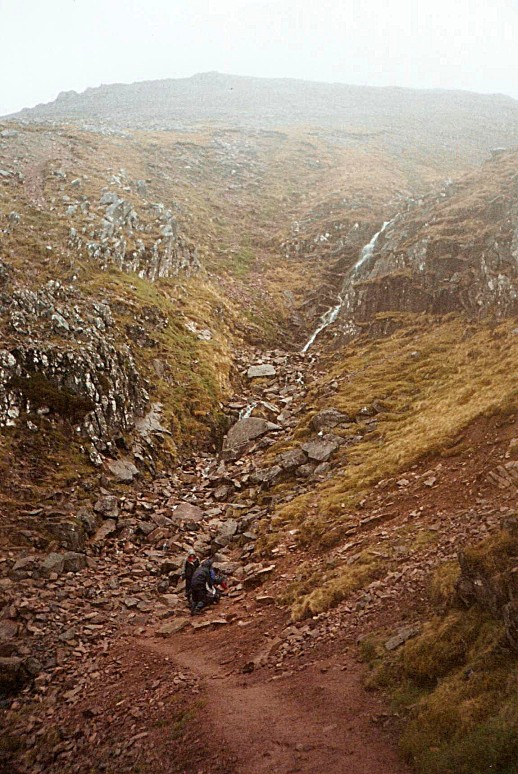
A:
x,y
315,719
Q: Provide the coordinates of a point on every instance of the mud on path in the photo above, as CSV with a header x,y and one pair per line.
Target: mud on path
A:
x,y
317,718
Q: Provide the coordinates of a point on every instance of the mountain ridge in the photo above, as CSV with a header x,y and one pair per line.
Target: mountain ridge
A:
x,y
449,123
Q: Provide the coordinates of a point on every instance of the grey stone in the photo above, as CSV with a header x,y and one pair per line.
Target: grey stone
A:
x,y
243,432
109,198
87,519
73,561
172,627
107,507
291,459
228,528
320,451
322,469
70,533
146,527
327,419
53,563
187,512
124,470
268,477
402,636
261,371
305,471
223,492
256,578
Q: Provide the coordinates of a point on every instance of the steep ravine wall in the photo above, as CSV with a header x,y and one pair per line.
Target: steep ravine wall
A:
x,y
61,357
452,252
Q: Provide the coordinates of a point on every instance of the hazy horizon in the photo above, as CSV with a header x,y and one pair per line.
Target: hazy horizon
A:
x,y
65,45
272,78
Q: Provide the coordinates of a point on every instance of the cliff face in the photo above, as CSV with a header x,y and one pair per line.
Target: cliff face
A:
x,y
455,251
62,360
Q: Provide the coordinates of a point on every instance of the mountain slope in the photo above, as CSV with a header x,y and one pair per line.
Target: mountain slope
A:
x,y
142,274
453,126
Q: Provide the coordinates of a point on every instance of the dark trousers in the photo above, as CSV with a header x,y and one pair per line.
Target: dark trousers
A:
x,y
198,598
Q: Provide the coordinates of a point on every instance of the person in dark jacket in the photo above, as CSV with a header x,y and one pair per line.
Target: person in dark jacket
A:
x,y
191,565
203,590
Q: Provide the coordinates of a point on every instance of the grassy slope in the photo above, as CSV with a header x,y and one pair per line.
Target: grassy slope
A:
x,y
430,380
456,683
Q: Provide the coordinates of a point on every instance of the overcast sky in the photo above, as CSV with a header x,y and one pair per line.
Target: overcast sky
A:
x,y
48,46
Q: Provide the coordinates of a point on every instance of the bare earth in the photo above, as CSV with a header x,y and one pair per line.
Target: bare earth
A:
x,y
318,718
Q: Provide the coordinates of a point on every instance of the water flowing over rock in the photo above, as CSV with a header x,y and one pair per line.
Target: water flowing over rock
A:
x,y
431,259
344,299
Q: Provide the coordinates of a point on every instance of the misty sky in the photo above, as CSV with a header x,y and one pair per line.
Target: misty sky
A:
x,y
48,46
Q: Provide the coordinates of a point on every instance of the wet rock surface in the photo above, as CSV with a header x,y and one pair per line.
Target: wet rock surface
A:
x,y
443,253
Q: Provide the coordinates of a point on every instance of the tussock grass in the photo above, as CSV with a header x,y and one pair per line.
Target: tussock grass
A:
x,y
432,381
319,585
457,683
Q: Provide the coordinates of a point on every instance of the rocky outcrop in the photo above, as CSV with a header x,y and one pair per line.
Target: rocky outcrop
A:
x,y
62,359
454,251
146,241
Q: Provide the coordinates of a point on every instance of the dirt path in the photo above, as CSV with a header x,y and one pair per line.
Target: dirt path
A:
x,y
318,719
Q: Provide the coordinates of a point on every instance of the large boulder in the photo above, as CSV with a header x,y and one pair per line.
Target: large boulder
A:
x,y
123,470
261,371
70,561
320,451
53,563
69,533
243,433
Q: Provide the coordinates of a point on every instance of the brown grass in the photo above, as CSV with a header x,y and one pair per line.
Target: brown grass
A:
x,y
432,378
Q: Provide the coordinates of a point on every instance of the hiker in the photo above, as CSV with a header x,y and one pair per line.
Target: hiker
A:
x,y
191,565
203,587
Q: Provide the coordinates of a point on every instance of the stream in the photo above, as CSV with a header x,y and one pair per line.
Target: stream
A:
x,y
330,315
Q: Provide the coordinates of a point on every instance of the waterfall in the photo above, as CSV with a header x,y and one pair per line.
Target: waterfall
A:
x,y
327,319
368,250
247,410
332,313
